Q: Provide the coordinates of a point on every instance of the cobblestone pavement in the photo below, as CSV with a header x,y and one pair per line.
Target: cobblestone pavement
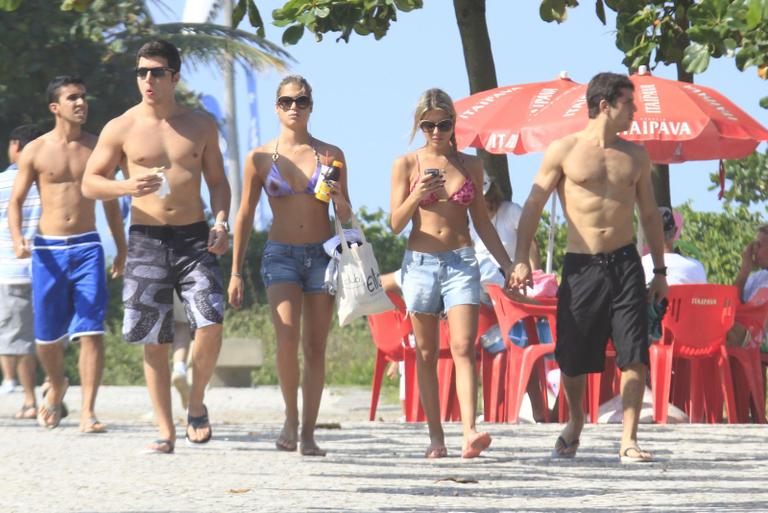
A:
x,y
370,467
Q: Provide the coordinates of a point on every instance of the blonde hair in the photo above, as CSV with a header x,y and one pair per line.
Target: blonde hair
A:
x,y
299,81
433,99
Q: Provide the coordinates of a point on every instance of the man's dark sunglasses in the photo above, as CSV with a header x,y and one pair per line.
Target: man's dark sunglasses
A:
x,y
285,102
158,72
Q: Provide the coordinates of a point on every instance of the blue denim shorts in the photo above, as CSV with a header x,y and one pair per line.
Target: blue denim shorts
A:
x,y
302,264
435,282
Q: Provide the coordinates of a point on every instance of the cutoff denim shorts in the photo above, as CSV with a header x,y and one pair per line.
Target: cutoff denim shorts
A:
x,y
435,282
302,264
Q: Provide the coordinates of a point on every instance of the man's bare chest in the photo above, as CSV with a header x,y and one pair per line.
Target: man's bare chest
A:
x,y
601,169
56,166
151,148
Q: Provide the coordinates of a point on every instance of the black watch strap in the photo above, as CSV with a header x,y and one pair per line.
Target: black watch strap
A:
x,y
660,270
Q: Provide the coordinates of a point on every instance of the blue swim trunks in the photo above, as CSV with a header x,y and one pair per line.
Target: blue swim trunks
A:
x,y
69,286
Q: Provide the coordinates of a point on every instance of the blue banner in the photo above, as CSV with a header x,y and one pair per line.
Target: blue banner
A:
x,y
262,219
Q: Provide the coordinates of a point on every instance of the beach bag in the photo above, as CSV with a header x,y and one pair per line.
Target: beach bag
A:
x,y
359,290
544,285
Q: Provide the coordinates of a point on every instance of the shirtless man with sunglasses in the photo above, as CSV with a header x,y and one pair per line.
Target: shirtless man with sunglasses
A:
x,y
171,249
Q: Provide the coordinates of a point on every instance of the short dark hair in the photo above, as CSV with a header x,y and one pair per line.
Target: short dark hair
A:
x,y
58,82
25,134
605,86
161,48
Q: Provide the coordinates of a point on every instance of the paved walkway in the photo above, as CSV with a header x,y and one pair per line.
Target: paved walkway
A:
x,y
370,467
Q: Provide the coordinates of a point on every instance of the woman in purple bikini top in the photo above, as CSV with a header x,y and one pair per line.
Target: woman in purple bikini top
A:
x,y
293,262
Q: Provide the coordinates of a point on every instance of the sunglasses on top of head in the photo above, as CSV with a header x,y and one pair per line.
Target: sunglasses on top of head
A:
x,y
158,72
302,102
429,126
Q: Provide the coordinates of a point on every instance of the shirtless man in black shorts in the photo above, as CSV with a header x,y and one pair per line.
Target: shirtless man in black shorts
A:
x,y
599,178
171,249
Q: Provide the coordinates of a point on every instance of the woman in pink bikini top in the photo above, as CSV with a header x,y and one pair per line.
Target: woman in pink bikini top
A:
x,y
434,188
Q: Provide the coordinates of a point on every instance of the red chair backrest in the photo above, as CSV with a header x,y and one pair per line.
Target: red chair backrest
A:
x,y
390,330
508,312
699,316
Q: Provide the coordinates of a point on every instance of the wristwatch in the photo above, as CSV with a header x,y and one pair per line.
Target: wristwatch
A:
x,y
223,224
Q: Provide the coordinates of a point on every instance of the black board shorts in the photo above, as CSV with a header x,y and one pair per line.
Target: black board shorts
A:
x,y
601,296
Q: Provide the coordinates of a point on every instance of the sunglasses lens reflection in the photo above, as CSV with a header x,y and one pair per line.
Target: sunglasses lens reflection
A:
x,y
443,126
285,102
155,72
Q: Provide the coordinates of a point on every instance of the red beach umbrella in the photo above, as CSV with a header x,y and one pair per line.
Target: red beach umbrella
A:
x,y
675,121
496,119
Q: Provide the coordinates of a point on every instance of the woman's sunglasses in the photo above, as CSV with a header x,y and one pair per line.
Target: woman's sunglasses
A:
x,y
302,102
158,72
443,126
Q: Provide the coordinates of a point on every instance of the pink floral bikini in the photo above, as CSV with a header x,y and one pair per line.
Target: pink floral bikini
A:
x,y
463,196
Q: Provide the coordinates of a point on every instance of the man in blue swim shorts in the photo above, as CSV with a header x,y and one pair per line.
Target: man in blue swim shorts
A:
x,y
69,282
165,150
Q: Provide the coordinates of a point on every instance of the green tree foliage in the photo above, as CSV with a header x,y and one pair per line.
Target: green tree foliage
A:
x,y
683,32
719,239
748,178
542,236
364,17
98,41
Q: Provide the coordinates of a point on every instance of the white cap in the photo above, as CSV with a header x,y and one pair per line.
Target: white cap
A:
x,y
564,75
642,70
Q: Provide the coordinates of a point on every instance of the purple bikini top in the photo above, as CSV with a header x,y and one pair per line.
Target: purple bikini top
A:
x,y
276,186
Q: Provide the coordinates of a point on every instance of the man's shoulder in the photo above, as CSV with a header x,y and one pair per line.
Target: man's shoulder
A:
x,y
201,118
631,147
121,123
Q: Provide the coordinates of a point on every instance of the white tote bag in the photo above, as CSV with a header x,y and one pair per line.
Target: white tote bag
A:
x,y
359,281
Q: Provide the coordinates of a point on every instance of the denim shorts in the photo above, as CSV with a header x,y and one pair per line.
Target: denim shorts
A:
x,y
302,264
435,282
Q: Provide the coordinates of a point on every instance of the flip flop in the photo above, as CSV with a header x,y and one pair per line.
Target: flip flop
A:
x,y
27,412
47,386
434,452
48,416
197,423
93,427
161,446
639,456
476,445
565,450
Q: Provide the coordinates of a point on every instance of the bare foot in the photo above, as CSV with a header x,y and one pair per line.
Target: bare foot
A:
x,y
310,448
436,451
475,444
287,440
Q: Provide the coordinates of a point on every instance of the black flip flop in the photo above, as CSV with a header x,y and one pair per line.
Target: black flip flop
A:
x,y
197,423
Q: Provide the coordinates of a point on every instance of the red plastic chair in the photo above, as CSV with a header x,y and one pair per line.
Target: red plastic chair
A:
x,y
695,326
745,362
521,361
389,331
446,371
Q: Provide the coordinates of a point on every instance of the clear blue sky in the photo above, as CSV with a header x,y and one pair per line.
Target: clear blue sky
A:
x,y
365,90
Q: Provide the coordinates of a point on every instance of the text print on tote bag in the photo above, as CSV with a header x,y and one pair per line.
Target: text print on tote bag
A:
x,y
359,281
